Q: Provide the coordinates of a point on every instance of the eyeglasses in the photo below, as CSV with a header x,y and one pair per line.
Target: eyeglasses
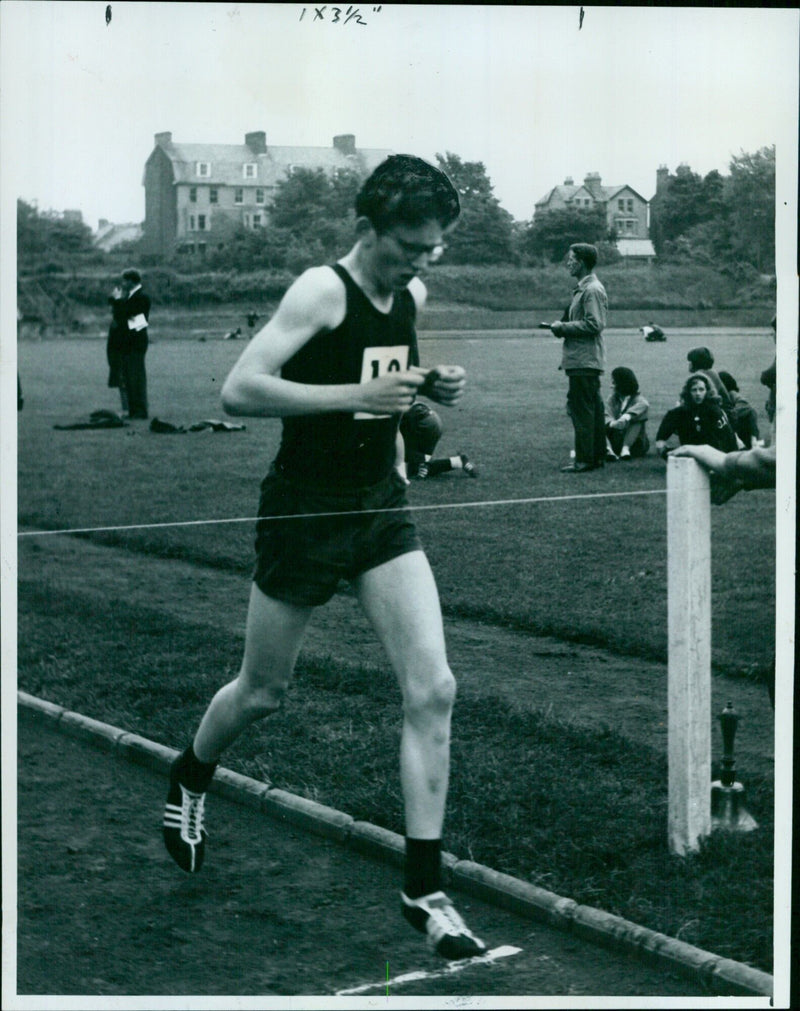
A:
x,y
414,250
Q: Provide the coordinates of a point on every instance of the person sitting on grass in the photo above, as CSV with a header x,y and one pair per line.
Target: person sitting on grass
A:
x,y
626,417
421,429
697,420
742,415
701,360
652,332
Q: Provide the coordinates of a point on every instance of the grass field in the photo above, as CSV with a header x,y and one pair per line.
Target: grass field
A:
x,y
583,569
510,564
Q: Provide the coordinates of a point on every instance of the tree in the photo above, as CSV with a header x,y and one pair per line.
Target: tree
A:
x,y
50,236
485,230
251,249
315,209
723,219
750,200
677,209
550,234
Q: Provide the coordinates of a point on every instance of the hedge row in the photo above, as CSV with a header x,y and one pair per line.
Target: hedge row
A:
x,y
663,286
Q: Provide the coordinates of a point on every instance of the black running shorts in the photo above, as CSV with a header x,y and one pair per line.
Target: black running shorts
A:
x,y
302,560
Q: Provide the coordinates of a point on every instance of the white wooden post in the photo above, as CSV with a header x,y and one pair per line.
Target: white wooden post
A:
x,y
689,664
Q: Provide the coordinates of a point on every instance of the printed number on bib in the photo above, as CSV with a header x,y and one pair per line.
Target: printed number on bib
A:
x,y
379,362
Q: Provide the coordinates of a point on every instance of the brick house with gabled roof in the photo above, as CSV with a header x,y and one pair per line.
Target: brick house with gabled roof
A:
x,y
196,195
626,210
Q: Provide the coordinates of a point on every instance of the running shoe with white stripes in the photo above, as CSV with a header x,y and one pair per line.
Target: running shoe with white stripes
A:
x,y
184,835
436,916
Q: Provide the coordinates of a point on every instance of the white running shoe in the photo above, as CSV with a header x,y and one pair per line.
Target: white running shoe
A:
x,y
436,916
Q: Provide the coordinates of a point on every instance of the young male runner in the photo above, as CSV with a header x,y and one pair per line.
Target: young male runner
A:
x,y
333,363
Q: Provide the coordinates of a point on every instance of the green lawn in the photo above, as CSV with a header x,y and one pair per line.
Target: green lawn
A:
x,y
589,569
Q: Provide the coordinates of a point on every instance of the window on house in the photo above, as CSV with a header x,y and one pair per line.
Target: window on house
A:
x,y
250,170
256,221
629,225
201,248
191,222
621,205
203,169
259,196
213,195
193,194
201,222
630,207
238,195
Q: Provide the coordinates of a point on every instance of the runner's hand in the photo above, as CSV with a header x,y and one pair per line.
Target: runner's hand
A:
x,y
445,384
389,394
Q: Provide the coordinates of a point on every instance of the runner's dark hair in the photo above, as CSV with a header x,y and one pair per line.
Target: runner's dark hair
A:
x,y
406,190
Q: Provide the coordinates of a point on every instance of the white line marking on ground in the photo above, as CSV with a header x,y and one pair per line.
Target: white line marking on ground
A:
x,y
350,512
413,977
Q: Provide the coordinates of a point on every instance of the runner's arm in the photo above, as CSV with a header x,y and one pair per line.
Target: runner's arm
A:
x,y
254,388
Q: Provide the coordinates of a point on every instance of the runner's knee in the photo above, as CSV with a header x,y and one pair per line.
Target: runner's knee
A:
x,y
428,697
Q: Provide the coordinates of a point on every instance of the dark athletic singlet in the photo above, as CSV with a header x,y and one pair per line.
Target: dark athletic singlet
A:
x,y
344,451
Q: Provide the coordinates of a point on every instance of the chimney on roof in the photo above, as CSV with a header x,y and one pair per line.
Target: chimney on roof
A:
x,y
662,174
593,185
345,142
256,141
569,181
102,223
163,138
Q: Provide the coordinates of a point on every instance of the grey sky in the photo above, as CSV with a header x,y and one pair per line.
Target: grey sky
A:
x,y
522,89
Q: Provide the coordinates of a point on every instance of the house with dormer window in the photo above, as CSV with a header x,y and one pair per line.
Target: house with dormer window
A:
x,y
626,211
197,195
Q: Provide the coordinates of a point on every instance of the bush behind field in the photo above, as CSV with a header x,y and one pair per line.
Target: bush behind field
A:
x,y
498,288
662,286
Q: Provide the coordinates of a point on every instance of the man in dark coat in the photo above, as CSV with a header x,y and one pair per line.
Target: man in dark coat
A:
x,y
117,340
135,310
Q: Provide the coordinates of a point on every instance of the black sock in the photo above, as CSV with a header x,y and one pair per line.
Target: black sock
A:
x,y
440,466
423,873
194,774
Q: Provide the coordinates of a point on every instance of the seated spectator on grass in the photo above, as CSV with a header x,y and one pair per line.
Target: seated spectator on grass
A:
x,y
421,429
697,420
626,417
742,416
701,360
652,332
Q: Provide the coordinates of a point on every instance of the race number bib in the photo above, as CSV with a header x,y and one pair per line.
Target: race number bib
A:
x,y
379,362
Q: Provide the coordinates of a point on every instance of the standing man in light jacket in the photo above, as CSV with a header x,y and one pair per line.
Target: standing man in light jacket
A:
x,y
583,358
136,312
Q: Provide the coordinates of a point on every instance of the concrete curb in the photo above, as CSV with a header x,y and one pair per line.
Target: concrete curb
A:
x,y
721,975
